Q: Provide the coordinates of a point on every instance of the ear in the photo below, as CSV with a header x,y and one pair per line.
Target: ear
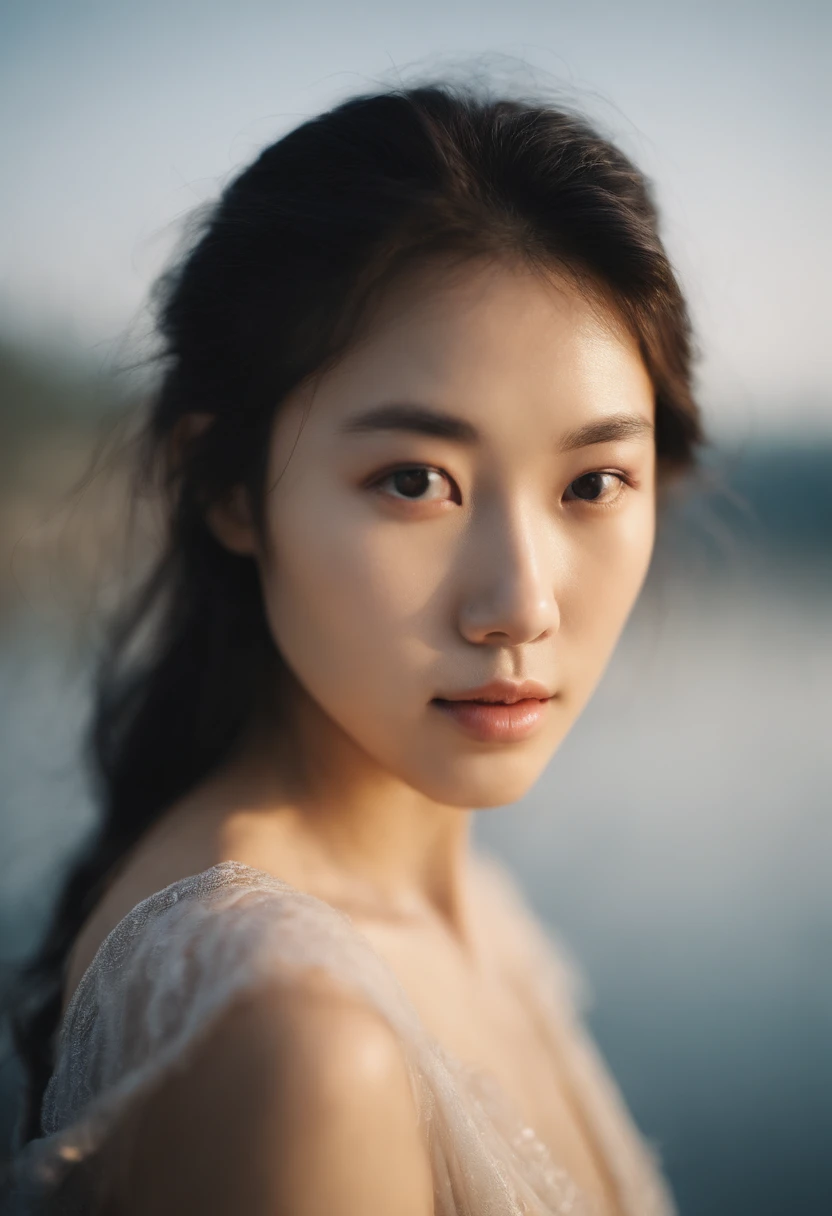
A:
x,y
232,523
230,519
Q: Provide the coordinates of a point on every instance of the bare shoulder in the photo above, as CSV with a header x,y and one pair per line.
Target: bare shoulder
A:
x,y
298,1100
187,840
146,875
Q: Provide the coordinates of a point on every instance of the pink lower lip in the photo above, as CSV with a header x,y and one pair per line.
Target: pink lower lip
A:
x,y
496,723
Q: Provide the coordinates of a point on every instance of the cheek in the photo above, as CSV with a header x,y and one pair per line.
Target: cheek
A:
x,y
344,601
606,574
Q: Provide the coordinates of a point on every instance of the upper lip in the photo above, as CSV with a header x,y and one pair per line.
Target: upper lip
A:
x,y
506,692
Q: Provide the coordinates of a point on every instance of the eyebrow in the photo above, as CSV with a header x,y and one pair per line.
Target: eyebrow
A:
x,y
606,430
416,419
419,420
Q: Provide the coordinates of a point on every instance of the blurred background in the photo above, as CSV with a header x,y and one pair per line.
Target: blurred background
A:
x,y
680,842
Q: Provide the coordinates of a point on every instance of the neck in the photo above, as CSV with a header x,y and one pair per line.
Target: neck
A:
x,y
357,828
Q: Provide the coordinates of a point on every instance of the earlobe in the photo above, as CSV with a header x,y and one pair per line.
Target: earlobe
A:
x,y
232,523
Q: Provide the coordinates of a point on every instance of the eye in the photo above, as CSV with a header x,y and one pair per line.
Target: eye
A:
x,y
415,483
597,487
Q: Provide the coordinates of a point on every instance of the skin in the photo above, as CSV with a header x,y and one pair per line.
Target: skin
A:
x,y
383,593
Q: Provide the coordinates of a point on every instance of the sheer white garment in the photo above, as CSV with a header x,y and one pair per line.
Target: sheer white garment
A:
x,y
181,956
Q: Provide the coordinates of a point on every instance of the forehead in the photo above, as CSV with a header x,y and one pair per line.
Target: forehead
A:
x,y
490,341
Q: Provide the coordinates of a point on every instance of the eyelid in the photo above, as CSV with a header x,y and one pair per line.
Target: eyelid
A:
x,y
402,466
626,475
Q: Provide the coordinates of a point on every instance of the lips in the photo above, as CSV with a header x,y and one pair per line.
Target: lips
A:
x,y
504,692
499,712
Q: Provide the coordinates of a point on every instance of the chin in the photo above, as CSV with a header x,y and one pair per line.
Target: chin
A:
x,y
485,781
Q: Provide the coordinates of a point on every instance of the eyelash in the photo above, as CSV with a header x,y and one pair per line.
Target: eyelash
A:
x,y
623,478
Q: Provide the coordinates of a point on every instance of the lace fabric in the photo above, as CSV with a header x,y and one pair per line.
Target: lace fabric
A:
x,y
179,958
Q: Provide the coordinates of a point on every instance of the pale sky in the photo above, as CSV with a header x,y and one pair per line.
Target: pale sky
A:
x,y
117,118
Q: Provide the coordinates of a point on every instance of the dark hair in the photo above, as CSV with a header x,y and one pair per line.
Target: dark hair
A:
x,y
273,289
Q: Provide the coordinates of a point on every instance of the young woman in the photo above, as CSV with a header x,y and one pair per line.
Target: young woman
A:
x,y
427,372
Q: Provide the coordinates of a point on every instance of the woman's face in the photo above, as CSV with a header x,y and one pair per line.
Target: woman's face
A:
x,y
468,497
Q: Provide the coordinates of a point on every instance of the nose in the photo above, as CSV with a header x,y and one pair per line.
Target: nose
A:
x,y
509,597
